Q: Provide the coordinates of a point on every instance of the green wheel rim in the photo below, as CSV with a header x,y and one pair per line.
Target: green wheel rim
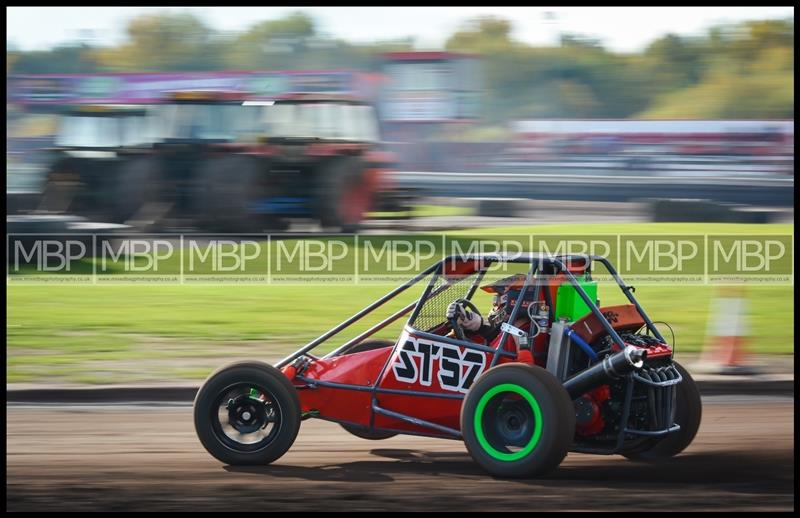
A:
x,y
478,422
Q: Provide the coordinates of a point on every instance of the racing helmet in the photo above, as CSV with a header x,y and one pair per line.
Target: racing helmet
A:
x,y
507,290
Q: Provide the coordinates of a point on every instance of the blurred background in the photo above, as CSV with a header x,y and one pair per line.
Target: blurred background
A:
x,y
516,120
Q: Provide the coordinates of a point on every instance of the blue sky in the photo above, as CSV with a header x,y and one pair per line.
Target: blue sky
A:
x,y
625,29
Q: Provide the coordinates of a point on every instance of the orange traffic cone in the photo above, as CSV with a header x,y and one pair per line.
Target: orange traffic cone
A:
x,y
725,350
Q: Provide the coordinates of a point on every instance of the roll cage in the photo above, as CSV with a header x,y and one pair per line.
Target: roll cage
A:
x,y
448,272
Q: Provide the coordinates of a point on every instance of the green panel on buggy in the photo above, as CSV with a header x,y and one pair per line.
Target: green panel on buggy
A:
x,y
569,304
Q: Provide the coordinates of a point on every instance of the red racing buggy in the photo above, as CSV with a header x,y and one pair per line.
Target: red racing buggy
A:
x,y
560,374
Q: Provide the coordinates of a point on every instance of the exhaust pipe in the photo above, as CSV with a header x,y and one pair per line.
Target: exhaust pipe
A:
x,y
611,367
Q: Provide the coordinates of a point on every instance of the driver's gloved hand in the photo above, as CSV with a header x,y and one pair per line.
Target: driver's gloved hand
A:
x,y
455,310
467,320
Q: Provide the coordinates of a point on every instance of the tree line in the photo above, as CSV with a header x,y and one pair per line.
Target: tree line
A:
x,y
743,70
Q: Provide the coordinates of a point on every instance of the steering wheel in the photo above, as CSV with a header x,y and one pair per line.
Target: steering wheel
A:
x,y
454,321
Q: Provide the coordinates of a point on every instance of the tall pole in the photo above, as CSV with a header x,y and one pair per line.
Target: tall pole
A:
x,y
551,20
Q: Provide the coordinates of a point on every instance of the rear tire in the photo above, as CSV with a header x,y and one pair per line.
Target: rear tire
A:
x,y
517,421
688,413
231,429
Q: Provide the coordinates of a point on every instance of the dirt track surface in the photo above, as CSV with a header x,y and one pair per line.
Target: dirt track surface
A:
x,y
148,458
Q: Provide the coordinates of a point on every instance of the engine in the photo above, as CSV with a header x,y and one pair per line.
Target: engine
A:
x,y
600,411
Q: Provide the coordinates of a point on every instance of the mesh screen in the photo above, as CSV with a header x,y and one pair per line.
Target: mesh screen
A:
x,y
434,308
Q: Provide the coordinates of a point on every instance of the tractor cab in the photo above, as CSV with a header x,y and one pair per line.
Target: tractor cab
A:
x,y
205,117
103,128
306,118
93,143
325,159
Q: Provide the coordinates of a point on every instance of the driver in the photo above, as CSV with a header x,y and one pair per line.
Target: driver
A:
x,y
487,327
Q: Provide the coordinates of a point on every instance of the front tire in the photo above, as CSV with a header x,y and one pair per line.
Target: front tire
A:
x,y
517,421
247,413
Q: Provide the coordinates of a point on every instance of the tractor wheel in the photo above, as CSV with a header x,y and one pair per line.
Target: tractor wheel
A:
x,y
365,433
62,186
517,421
227,187
342,197
688,412
247,413
138,190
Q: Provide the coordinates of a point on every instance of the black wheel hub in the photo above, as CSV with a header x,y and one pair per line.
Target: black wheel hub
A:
x,y
247,414
245,417
514,425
